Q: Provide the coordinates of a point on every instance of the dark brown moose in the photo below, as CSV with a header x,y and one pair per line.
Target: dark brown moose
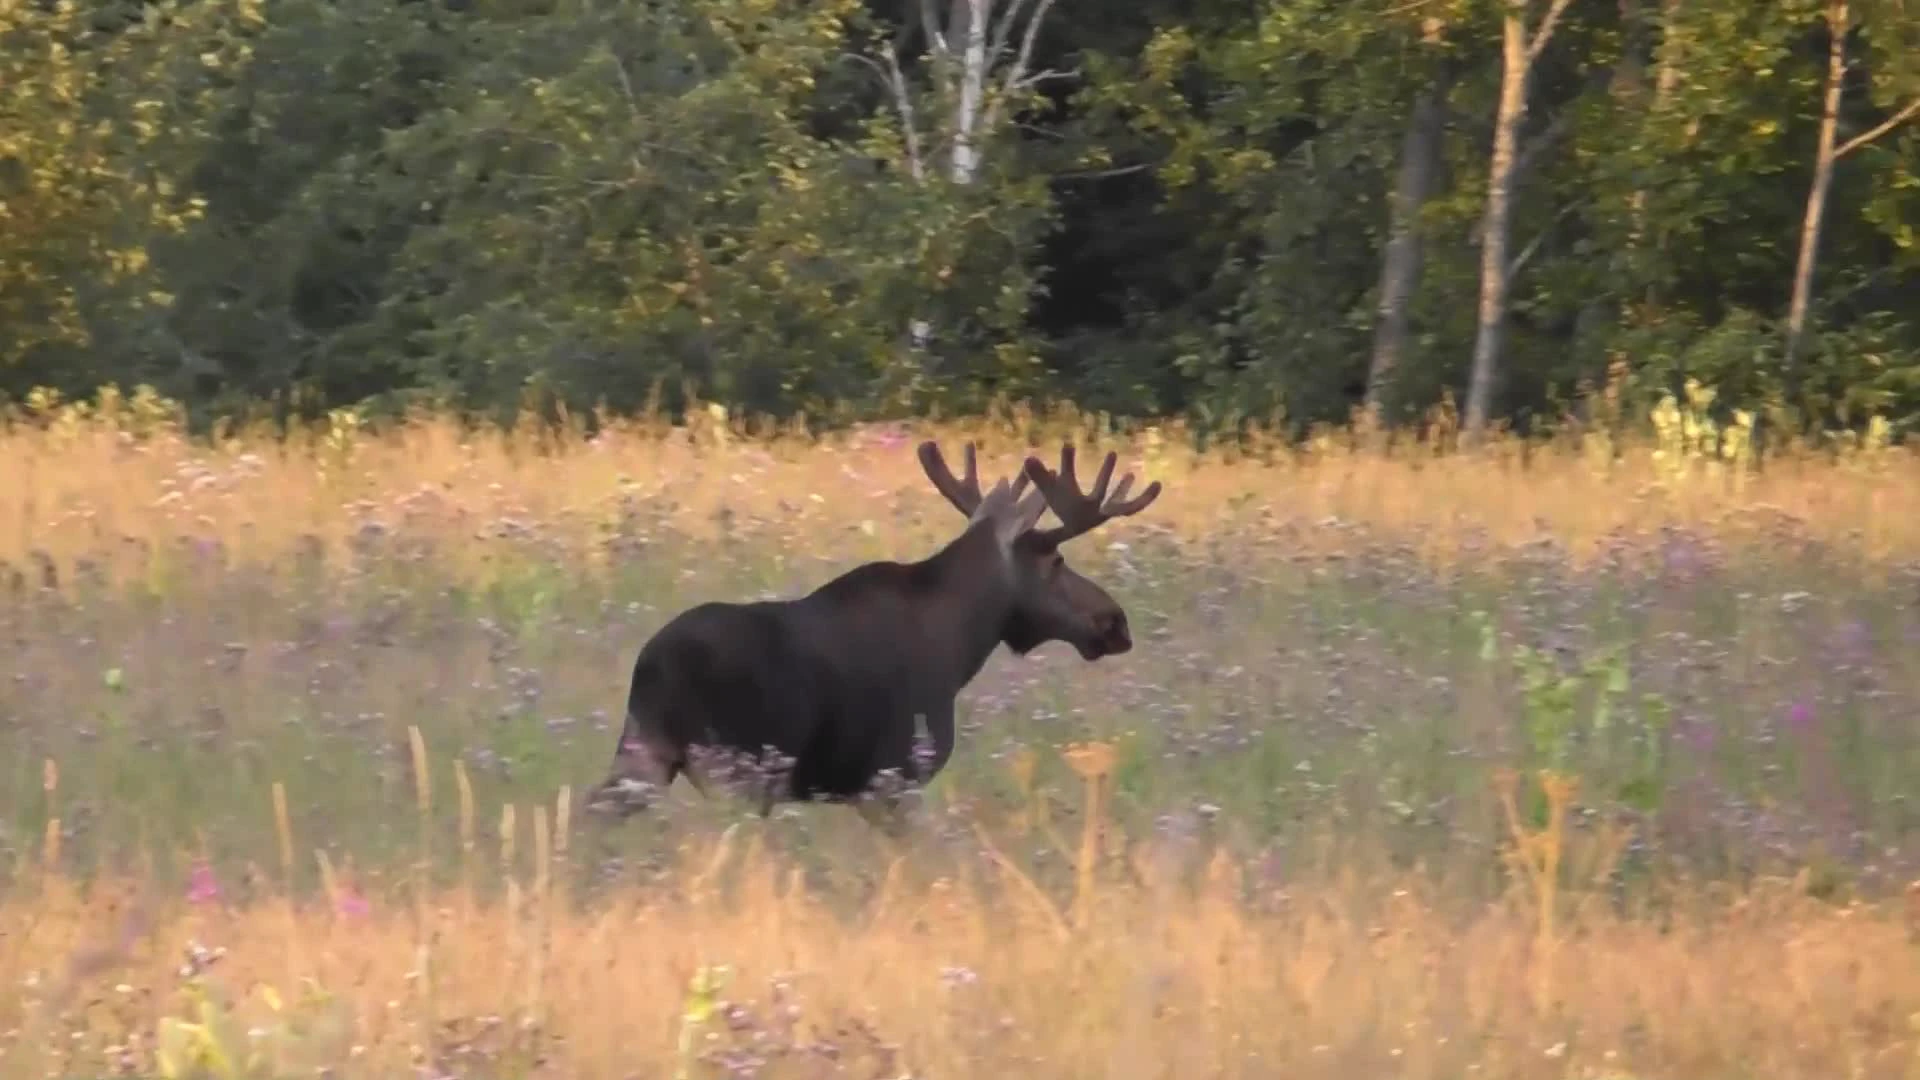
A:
x,y
834,693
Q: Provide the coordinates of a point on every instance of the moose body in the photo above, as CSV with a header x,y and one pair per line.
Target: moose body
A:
x,y
857,680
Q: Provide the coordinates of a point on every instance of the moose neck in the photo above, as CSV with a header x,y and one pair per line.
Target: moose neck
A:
x,y
972,600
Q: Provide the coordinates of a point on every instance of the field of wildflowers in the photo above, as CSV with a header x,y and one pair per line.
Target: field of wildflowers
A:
x,y
1565,759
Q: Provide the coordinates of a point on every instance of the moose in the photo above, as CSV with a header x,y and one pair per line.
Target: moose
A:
x,y
846,685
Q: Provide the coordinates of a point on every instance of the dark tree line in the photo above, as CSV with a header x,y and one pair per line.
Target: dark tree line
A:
x,y
1225,210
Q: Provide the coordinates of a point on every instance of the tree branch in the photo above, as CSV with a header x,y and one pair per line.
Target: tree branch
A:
x,y
1046,76
1545,31
633,103
1103,174
1548,137
895,80
1008,20
903,103
1529,155
626,84
1017,71
1872,133
1533,246
930,25
1537,147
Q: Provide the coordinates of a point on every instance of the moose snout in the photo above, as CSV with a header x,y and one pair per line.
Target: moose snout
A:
x,y
1114,637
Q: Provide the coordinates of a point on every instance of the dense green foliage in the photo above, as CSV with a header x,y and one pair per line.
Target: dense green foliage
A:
x,y
1153,207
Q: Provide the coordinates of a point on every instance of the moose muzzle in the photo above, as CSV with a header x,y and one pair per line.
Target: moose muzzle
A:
x,y
1109,638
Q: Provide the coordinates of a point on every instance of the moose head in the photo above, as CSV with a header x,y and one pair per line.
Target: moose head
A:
x,y
1051,600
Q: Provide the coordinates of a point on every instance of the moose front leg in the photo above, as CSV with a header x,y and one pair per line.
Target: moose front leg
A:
x,y
889,799
891,795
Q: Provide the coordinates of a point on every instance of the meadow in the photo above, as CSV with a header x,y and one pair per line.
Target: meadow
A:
x,y
1578,758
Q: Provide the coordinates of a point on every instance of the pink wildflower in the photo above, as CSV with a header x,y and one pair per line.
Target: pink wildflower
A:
x,y
202,886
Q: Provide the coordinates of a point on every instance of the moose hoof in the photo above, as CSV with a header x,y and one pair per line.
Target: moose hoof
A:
x,y
620,799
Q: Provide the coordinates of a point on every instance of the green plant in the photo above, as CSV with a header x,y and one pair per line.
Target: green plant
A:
x,y
1588,705
269,1040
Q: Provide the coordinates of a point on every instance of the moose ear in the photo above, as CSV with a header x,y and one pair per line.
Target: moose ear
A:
x,y
1008,518
992,504
1016,519
1023,517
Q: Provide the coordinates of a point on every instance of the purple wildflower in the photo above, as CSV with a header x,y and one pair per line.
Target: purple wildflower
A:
x,y
1700,735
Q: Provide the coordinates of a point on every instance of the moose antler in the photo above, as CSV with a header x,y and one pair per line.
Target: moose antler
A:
x,y
965,493
1081,512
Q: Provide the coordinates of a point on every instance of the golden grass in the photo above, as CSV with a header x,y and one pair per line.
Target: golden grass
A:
x,y
99,485
1177,962
1333,978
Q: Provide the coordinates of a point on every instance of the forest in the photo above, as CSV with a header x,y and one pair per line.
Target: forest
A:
x,y
1285,211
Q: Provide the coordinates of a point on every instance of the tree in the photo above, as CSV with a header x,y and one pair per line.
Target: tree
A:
x,y
1521,49
1400,261
99,123
979,73
279,284
1422,155
1840,18
619,202
1310,142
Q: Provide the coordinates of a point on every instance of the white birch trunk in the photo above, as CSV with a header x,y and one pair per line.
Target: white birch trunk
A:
x,y
972,96
1518,54
1826,154
1816,211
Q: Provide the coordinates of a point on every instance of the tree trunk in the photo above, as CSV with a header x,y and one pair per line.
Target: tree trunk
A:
x,y
973,86
1518,52
1629,309
1824,157
1665,82
1400,263
1497,224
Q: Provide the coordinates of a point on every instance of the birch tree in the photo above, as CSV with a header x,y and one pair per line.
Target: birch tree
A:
x,y
1842,19
979,68
1520,51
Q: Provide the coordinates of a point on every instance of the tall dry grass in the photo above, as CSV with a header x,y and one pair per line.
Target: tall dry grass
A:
x,y
99,483
1172,963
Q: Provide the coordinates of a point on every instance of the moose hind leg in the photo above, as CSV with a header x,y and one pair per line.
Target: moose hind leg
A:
x,y
643,768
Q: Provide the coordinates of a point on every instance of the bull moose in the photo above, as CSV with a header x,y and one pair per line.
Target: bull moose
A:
x,y
846,684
